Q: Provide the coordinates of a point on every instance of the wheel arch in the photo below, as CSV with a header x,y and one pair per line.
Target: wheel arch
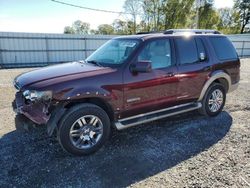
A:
x,y
216,77
94,100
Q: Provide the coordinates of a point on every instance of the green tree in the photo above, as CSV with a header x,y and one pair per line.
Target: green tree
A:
x,y
69,30
176,13
208,17
133,8
243,10
81,27
93,32
78,27
130,27
105,29
228,21
165,14
120,27
153,14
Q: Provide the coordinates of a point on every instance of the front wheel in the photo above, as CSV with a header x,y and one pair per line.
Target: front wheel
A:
x,y
84,129
214,100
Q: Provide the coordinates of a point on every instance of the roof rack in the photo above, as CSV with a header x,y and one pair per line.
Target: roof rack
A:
x,y
173,31
149,32
195,31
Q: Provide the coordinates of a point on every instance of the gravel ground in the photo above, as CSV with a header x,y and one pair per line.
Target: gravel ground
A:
x,y
188,150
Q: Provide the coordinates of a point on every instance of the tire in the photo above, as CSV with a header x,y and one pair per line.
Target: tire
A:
x,y
214,90
84,129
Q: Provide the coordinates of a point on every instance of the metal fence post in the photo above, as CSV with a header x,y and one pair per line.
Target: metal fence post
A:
x,y
242,49
1,58
85,46
47,50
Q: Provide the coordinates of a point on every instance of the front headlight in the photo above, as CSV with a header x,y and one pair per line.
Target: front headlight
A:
x,y
37,95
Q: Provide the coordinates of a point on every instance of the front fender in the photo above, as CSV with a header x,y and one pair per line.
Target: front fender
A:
x,y
55,117
78,94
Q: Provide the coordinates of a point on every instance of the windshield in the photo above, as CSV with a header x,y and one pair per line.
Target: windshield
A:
x,y
113,52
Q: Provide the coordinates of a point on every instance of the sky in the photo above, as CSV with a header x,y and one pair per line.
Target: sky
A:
x,y
46,16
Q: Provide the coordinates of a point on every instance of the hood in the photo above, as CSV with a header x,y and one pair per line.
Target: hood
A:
x,y
55,71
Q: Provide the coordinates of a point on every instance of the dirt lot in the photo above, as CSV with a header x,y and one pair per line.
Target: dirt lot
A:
x,y
182,151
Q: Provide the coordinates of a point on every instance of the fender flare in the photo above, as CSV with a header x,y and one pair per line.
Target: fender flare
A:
x,y
213,77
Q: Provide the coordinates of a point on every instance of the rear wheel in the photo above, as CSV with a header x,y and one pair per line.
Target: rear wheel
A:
x,y
84,129
214,100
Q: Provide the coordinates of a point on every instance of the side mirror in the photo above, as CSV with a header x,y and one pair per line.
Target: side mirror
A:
x,y
141,66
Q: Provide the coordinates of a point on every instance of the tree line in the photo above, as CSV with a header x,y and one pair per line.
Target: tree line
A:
x,y
157,15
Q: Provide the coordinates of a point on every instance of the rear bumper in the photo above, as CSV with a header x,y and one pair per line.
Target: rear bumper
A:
x,y
233,87
37,112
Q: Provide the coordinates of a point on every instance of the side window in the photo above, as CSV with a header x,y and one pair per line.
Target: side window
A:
x,y
158,52
201,49
187,50
223,48
200,46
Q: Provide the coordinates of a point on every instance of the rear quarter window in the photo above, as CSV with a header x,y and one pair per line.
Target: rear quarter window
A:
x,y
224,49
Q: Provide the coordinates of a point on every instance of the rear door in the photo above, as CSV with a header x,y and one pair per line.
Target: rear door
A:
x,y
193,67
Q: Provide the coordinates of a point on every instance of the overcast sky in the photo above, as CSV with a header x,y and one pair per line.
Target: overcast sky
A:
x,y
45,16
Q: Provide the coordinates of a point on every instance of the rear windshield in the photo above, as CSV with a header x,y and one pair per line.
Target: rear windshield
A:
x,y
223,48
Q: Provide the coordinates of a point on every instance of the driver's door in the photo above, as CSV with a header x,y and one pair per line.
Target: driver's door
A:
x,y
145,92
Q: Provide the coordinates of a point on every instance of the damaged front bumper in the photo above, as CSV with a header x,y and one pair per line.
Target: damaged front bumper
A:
x,y
36,112
39,112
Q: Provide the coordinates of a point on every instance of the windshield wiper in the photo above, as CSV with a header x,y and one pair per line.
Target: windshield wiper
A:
x,y
95,63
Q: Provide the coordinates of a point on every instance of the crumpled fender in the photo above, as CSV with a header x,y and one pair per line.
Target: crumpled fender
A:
x,y
55,117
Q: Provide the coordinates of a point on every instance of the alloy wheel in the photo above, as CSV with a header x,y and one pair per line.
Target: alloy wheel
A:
x,y
86,131
215,101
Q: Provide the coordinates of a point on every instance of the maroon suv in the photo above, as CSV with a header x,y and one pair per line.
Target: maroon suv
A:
x,y
128,81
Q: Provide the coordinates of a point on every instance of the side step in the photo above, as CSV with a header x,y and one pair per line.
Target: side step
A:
x,y
155,115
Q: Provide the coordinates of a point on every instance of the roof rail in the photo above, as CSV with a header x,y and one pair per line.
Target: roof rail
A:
x,y
149,32
196,31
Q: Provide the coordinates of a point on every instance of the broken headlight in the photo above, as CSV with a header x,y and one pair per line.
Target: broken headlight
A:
x,y
37,95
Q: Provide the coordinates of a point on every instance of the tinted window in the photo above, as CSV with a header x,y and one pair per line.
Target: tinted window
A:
x,y
223,48
200,46
158,52
201,49
187,50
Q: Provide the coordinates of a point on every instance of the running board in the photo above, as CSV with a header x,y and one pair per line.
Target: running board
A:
x,y
155,115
